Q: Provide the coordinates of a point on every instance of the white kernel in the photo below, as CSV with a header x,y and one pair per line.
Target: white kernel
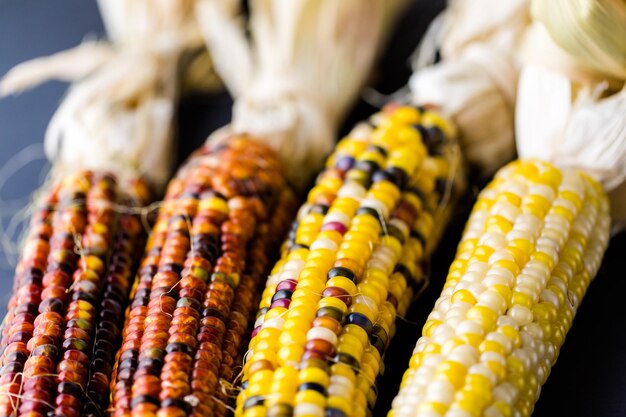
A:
x,y
274,323
457,412
493,357
536,268
525,280
294,265
465,355
521,314
324,243
499,255
501,339
492,300
542,190
520,233
506,210
550,297
507,321
493,240
472,276
484,370
337,217
442,390
309,410
292,274
478,267
523,356
505,392
376,205
567,204
401,225
502,272
322,333
476,289
353,190
469,327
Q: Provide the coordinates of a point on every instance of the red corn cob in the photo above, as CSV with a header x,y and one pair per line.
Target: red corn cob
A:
x,y
222,216
69,295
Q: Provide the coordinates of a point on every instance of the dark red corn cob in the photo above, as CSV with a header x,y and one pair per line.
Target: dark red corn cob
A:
x,y
127,247
64,287
222,218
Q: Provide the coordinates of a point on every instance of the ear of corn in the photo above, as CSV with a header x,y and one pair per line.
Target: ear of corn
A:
x,y
353,261
533,243
68,299
222,216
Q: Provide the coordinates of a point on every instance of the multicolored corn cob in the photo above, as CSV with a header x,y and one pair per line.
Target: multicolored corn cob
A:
x,y
70,290
533,243
353,262
223,215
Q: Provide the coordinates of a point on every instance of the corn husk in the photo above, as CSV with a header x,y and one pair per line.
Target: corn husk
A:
x,y
572,98
294,80
118,115
475,82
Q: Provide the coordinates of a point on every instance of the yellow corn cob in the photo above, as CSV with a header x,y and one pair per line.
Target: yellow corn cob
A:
x,y
353,261
533,243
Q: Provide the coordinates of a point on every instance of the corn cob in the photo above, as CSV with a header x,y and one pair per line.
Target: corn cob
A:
x,y
353,261
533,243
222,215
63,318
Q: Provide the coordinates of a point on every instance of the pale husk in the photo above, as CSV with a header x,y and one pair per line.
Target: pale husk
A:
x,y
119,113
475,82
294,80
571,107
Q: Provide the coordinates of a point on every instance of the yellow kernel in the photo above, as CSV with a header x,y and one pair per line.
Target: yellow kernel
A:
x,y
343,370
311,397
484,316
482,253
435,119
256,411
453,372
431,406
504,408
498,369
509,197
522,299
275,312
515,366
406,115
492,346
498,224
267,344
544,258
339,403
357,332
510,265
512,334
463,296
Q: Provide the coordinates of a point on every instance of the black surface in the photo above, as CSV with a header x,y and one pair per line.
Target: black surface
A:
x,y
589,379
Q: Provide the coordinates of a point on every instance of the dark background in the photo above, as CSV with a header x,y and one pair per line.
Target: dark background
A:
x,y
589,379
